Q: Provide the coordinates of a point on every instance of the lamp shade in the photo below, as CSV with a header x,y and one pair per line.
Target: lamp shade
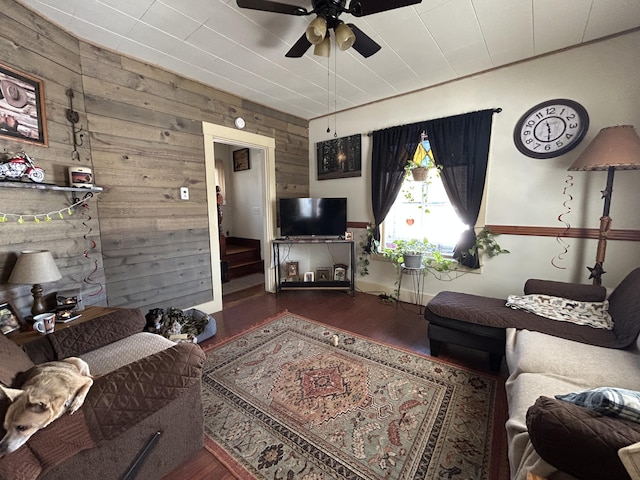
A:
x,y
345,37
34,267
617,147
323,49
316,30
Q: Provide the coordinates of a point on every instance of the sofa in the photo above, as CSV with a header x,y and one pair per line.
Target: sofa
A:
x,y
143,384
555,438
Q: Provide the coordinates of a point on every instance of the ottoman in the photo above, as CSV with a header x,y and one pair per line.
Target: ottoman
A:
x,y
466,320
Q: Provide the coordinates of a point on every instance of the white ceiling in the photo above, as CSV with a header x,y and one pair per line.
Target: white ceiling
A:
x,y
242,51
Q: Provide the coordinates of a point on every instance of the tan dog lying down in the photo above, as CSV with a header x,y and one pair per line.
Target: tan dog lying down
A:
x,y
48,391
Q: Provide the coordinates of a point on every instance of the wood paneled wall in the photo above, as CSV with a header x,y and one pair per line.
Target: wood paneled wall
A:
x,y
143,138
40,49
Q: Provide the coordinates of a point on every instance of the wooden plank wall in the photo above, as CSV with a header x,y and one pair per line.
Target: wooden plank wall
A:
x,y
144,141
44,51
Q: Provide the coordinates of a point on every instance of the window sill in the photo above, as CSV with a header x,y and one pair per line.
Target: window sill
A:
x,y
455,266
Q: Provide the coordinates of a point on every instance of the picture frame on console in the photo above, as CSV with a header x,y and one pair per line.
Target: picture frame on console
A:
x,y
323,274
22,115
340,272
292,271
10,319
308,276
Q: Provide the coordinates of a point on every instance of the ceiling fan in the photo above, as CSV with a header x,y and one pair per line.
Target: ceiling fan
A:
x,y
347,35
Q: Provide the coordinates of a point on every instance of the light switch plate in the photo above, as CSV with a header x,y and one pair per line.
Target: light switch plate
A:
x,y
184,193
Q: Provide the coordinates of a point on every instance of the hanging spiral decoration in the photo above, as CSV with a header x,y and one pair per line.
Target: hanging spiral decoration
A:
x,y
555,261
88,251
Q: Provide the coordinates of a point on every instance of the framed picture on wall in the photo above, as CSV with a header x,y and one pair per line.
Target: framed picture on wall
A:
x,y
241,160
339,158
22,115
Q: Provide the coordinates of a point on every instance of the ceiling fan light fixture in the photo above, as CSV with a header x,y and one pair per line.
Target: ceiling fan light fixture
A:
x,y
345,38
323,49
317,30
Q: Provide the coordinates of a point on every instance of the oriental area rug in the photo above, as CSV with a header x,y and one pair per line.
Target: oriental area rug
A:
x,y
297,400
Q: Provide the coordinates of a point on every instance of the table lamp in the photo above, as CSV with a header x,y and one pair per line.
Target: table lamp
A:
x,y
613,148
35,267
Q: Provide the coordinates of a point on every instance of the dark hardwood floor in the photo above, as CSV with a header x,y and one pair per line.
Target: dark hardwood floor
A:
x,y
365,315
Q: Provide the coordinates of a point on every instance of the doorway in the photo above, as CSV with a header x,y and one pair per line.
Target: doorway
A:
x,y
266,148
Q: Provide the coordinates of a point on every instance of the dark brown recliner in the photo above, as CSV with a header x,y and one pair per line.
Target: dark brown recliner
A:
x,y
122,412
479,322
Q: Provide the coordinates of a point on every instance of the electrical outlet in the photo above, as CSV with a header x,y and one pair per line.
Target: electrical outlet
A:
x,y
184,193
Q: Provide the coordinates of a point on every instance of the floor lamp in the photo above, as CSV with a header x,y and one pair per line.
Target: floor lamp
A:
x,y
614,148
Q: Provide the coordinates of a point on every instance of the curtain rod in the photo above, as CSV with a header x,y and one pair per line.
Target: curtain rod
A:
x,y
495,110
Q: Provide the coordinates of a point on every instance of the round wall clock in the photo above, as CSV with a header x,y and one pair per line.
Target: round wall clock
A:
x,y
551,128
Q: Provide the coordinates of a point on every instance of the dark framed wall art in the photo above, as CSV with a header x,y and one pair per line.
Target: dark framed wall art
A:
x,y
339,158
241,160
22,115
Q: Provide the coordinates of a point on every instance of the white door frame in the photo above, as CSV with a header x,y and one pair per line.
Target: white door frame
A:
x,y
218,133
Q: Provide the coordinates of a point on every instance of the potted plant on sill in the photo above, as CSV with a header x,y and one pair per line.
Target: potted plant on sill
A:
x,y
432,260
407,252
427,255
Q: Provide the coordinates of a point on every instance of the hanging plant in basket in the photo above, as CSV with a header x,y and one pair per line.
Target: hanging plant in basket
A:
x,y
421,162
419,174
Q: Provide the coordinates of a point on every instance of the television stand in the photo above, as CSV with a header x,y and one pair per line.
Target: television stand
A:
x,y
345,284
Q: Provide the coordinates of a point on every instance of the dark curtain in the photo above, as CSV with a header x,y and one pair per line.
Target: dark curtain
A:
x,y
392,148
460,146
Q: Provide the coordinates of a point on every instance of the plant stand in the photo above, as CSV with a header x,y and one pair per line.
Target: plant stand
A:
x,y
417,277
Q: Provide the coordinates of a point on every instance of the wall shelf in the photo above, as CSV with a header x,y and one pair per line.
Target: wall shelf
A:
x,y
49,186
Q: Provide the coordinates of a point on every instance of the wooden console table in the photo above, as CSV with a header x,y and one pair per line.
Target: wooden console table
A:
x,y
29,335
347,284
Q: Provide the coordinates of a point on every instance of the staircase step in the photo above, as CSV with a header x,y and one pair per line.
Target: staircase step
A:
x,y
242,257
246,268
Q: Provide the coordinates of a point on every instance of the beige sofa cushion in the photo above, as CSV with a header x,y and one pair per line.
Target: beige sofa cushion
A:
x,y
582,364
123,352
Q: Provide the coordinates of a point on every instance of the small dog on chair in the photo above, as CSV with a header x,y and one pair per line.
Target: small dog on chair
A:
x,y
154,320
47,392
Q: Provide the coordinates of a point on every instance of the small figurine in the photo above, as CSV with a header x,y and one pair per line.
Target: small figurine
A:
x,y
17,165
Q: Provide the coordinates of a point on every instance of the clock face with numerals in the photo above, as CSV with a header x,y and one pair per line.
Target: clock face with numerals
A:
x,y
551,128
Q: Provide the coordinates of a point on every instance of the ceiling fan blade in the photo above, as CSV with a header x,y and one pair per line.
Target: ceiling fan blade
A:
x,y
364,44
275,7
360,8
299,48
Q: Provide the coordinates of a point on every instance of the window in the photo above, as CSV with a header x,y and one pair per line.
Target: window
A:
x,y
422,209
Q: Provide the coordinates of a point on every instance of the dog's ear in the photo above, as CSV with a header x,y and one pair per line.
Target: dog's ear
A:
x,y
37,404
11,393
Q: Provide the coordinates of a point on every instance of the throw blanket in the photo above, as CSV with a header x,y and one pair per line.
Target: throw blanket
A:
x,y
593,314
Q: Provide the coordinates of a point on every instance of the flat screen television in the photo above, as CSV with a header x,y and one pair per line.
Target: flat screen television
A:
x,y
322,217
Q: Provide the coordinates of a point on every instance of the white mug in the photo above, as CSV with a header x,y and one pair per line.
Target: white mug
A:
x,y
44,323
